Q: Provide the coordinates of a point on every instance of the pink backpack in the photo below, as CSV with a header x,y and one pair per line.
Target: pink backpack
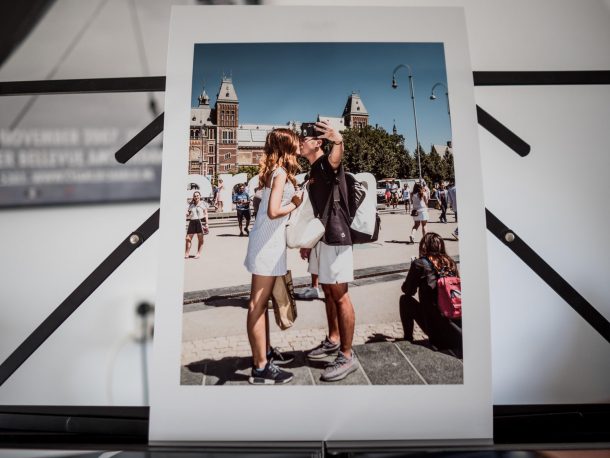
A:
x,y
449,294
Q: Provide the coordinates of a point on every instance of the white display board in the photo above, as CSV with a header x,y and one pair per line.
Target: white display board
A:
x,y
401,411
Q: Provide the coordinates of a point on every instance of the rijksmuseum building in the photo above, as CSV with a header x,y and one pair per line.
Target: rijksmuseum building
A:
x,y
220,144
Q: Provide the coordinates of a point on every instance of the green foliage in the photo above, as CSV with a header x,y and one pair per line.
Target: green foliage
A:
x,y
432,167
449,169
372,149
250,170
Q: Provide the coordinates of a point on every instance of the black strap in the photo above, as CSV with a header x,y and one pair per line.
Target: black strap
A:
x,y
331,197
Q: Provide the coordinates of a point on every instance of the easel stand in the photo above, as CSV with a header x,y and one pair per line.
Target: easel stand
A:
x,y
125,426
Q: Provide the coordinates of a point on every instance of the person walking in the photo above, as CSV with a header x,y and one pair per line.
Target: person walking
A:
x,y
266,255
442,200
452,200
443,333
406,197
220,196
395,191
388,193
241,199
332,258
197,216
419,199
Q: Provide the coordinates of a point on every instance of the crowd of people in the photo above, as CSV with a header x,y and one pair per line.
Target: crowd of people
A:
x,y
330,261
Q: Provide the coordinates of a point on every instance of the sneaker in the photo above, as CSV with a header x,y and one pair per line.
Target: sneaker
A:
x,y
247,231
340,368
454,234
411,239
310,293
326,348
278,358
270,375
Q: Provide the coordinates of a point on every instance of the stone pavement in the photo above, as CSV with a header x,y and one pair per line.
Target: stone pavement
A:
x,y
288,340
381,363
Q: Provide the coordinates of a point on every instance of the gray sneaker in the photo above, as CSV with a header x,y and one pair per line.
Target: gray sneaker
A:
x,y
340,368
326,348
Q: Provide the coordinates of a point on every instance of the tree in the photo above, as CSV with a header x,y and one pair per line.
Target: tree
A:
x,y
433,168
449,168
250,170
372,149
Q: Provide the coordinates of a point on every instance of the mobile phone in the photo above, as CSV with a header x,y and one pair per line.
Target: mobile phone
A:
x,y
308,129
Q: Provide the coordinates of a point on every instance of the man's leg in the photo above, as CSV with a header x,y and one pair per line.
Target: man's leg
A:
x,y
240,221
344,315
247,221
334,333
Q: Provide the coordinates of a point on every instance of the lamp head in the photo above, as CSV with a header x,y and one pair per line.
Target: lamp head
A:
x,y
432,97
394,85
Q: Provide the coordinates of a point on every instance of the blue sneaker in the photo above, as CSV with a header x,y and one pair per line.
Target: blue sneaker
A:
x,y
270,375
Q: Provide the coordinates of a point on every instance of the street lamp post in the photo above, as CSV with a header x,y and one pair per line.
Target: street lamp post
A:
x,y
433,97
395,85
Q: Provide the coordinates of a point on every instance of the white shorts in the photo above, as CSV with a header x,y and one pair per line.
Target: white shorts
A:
x,y
332,264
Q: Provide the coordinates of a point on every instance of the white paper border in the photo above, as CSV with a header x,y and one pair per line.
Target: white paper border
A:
x,y
297,413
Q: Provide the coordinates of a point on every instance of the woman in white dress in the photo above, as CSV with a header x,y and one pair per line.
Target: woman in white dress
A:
x,y
266,258
419,198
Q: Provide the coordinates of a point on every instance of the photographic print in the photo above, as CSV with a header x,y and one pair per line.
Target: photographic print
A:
x,y
310,241
242,97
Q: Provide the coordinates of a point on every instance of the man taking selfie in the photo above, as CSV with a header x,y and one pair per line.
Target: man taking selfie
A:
x,y
332,258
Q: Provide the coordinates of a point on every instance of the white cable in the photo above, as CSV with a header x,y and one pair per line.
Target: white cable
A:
x,y
112,362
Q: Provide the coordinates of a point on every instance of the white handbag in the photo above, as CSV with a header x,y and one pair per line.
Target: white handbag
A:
x,y
303,229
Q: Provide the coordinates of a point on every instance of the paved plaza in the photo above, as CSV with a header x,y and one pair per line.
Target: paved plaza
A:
x,y
215,345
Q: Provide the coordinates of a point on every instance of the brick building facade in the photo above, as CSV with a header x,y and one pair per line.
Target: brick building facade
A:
x,y
219,144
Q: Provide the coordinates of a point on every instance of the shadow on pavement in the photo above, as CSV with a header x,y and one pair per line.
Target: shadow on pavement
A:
x,y
221,301
404,242
383,361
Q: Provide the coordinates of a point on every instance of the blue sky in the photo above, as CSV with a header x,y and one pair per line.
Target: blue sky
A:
x,y
279,82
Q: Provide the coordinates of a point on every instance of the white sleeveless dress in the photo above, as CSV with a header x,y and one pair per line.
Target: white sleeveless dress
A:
x,y
267,240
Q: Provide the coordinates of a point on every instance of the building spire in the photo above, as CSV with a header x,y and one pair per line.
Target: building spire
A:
x,y
203,98
394,130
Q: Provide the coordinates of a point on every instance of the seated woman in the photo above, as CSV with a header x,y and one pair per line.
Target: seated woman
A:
x,y
444,333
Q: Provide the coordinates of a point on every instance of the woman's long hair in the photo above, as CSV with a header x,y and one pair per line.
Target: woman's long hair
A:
x,y
432,247
416,188
280,150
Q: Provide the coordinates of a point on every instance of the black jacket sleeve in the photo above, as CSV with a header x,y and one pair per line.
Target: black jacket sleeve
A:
x,y
414,278
421,276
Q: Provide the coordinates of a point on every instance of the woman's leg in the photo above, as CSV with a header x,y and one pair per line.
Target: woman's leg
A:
x,y
423,228
414,230
199,245
255,324
187,250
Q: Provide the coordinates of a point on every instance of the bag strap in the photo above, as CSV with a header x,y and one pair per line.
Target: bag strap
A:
x,y
332,196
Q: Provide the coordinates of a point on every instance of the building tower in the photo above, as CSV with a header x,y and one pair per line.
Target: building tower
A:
x,y
202,137
227,119
354,113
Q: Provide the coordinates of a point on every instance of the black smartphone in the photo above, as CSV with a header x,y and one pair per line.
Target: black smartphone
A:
x,y
308,129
